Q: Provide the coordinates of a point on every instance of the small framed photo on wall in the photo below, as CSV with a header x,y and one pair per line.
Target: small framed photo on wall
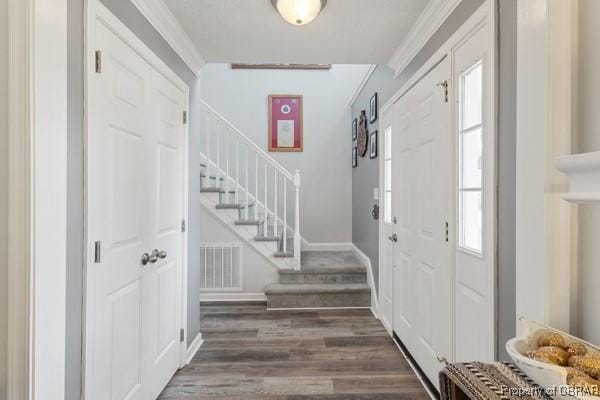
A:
x,y
285,123
354,129
354,157
373,145
373,109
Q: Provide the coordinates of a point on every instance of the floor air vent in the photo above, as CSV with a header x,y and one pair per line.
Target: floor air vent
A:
x,y
221,267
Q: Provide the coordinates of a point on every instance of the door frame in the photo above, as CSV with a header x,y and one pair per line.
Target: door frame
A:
x,y
37,198
486,14
95,10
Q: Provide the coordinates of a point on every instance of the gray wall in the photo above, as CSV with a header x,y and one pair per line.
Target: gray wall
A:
x,y
507,111
3,191
589,140
241,96
366,176
74,198
131,17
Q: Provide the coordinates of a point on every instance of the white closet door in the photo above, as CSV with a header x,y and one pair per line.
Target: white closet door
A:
x,y
135,188
422,184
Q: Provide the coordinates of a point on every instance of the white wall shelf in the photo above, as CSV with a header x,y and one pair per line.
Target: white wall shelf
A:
x,y
583,171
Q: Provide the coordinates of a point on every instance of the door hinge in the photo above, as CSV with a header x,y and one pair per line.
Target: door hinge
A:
x,y
98,61
181,335
183,226
447,232
97,252
445,86
185,117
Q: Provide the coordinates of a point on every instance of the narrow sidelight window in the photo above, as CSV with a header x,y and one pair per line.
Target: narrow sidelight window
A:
x,y
387,176
470,159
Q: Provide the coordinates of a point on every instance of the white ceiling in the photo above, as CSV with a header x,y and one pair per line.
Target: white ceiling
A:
x,y
251,31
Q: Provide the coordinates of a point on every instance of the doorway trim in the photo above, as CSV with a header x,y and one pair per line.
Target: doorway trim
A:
x,y
37,203
97,11
486,14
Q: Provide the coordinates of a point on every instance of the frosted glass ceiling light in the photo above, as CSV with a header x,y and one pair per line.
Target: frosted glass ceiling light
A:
x,y
299,12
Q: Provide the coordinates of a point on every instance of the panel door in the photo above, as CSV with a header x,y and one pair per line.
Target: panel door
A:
x,y
135,188
475,191
422,273
163,279
389,220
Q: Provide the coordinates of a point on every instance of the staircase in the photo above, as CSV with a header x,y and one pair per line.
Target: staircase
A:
x,y
257,197
326,279
259,200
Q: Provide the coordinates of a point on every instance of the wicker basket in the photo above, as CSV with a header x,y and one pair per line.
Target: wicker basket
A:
x,y
545,375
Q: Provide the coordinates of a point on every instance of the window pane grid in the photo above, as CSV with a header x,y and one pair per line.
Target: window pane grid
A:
x,y
387,176
470,159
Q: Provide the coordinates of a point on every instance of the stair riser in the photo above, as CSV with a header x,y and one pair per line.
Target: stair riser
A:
x,y
322,278
324,300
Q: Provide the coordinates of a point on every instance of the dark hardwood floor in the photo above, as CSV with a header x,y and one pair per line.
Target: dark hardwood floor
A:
x,y
250,353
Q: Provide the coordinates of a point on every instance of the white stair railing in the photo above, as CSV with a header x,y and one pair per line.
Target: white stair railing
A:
x,y
258,181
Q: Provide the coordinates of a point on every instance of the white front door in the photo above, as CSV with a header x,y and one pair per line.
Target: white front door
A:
x,y
135,207
422,200
388,218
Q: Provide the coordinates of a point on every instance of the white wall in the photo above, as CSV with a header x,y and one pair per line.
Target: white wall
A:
x,y
257,272
325,164
531,276
3,191
589,140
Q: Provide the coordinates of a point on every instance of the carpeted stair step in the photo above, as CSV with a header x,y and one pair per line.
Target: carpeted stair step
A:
x,y
211,177
248,222
215,190
281,254
309,295
326,275
233,206
259,238
329,259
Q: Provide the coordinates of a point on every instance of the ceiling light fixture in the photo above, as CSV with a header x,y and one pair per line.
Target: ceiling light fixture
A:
x,y
299,12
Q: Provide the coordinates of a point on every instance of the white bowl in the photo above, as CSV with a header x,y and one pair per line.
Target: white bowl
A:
x,y
547,376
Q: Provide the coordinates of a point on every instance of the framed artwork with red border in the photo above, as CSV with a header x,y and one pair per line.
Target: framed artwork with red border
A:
x,y
285,123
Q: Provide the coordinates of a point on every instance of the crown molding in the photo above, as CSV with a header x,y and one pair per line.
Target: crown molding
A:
x,y
430,20
362,84
163,20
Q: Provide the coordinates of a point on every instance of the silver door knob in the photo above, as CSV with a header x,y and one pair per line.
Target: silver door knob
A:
x,y
145,259
159,254
393,238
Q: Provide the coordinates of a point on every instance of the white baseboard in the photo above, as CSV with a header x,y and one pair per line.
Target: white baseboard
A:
x,y
366,261
387,326
308,246
194,347
233,297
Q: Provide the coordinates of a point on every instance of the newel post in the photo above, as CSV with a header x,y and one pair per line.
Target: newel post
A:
x,y
297,238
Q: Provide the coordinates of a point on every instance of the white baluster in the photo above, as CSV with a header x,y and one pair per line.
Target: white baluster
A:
x,y
218,174
214,262
237,171
223,266
297,221
266,199
256,187
227,165
231,267
246,174
285,215
275,204
205,268
207,171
